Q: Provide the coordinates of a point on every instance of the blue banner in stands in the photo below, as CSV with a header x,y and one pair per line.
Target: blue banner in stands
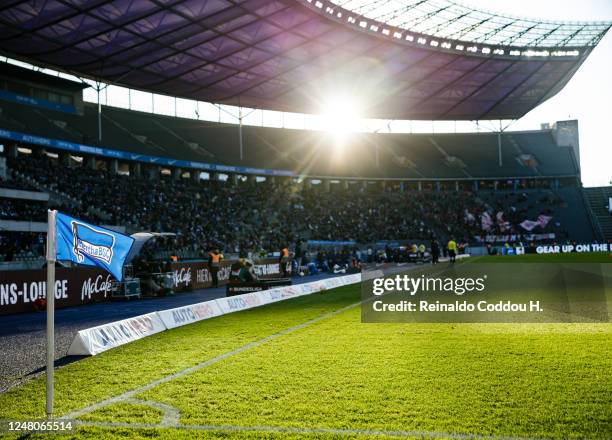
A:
x,y
124,155
90,245
36,102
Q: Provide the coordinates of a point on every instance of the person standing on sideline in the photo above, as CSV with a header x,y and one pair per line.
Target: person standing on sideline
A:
x,y
421,251
283,260
214,264
452,250
435,251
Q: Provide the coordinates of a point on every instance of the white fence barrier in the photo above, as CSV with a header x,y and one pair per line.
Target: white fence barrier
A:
x,y
95,340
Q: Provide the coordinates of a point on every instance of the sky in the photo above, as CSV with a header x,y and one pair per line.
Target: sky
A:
x,y
588,95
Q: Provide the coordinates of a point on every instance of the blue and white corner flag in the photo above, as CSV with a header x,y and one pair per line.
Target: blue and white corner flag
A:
x,y
90,245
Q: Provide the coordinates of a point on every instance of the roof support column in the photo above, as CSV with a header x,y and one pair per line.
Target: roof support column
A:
x,y
99,89
91,162
153,172
240,132
499,145
63,158
177,173
136,170
113,166
12,151
194,175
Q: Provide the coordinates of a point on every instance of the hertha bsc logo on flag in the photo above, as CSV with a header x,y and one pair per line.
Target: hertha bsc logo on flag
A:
x,y
91,245
92,242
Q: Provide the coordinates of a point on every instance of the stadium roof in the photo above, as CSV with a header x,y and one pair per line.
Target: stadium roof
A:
x,y
413,59
454,21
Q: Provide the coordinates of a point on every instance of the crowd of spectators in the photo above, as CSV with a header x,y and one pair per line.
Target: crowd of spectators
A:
x,y
27,245
19,209
264,216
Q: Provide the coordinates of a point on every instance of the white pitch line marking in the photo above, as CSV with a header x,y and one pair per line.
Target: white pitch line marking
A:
x,y
171,415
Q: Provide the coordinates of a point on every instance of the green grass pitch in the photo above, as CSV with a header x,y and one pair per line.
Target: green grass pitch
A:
x,y
334,377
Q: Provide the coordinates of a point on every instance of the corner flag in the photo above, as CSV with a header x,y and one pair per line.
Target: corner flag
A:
x,y
90,245
82,243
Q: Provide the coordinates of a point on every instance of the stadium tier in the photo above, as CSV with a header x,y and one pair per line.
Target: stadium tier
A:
x,y
301,152
206,213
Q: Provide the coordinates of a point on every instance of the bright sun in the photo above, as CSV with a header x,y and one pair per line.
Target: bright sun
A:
x,y
341,115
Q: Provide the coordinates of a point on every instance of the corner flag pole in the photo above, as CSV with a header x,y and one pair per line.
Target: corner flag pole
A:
x,y
51,256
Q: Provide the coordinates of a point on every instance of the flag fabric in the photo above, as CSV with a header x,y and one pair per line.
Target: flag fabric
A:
x,y
486,221
503,224
543,220
90,245
529,225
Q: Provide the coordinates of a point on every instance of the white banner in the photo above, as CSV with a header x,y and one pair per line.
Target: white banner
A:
x,y
95,340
